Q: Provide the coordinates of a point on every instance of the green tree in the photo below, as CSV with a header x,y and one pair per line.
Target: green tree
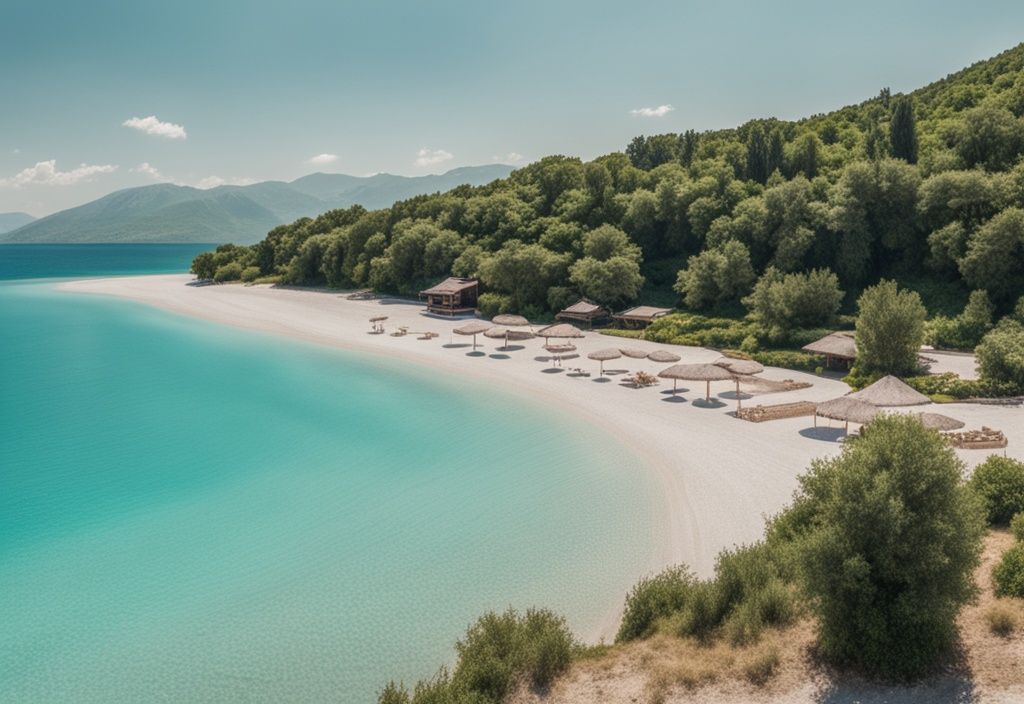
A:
x,y
890,329
1000,355
757,154
999,483
889,542
994,259
776,151
806,152
607,281
903,130
990,137
716,276
781,303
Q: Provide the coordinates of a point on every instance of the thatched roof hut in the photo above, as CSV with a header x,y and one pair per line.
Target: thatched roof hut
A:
x,y
837,345
890,391
696,372
453,296
583,311
641,316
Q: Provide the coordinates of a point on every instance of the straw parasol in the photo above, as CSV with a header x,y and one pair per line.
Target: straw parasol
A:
x,y
739,367
604,355
634,352
500,331
563,330
557,351
376,321
938,421
846,408
696,372
511,321
663,357
474,328
890,391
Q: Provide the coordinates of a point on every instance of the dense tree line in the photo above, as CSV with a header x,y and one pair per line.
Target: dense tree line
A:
x,y
925,188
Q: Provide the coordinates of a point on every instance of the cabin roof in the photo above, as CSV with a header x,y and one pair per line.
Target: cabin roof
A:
x,y
450,285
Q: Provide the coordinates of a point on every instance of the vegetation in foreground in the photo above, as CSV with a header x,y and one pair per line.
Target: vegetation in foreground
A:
x,y
878,548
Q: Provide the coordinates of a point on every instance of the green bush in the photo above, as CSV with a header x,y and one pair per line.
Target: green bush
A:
x,y
788,359
1017,526
782,303
999,482
965,330
888,539
698,331
652,599
1008,575
231,271
1001,356
500,648
890,329
492,304
250,274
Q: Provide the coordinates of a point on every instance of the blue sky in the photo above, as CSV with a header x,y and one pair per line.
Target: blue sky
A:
x,y
245,91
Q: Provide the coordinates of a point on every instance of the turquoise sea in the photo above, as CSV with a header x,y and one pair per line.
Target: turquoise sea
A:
x,y
195,513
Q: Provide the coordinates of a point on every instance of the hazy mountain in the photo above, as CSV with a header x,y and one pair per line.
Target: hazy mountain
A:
x,y
242,214
12,221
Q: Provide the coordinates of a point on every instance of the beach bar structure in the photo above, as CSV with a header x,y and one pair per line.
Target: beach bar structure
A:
x,y
584,312
640,316
453,296
835,346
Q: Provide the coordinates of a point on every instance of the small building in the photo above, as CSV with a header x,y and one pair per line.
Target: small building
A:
x,y
836,346
584,312
640,316
453,296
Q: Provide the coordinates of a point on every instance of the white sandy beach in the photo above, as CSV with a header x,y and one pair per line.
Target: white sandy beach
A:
x,y
721,476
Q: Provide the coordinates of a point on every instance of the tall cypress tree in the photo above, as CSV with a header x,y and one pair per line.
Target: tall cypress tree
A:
x,y
775,151
757,155
687,147
903,130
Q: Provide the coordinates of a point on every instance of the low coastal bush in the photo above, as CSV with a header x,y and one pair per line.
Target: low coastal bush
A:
x,y
1002,619
653,598
497,652
1017,526
492,304
1001,356
999,482
698,331
231,271
788,359
1008,575
250,274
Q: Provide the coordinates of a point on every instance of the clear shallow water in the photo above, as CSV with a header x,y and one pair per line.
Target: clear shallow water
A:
x,y
193,513
29,261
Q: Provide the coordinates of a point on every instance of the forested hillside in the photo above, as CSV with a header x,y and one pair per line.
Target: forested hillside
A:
x,y
926,188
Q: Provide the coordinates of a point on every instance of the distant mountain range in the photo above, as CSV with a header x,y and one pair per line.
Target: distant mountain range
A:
x,y
165,212
12,221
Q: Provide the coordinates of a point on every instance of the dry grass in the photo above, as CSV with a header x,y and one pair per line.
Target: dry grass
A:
x,y
782,667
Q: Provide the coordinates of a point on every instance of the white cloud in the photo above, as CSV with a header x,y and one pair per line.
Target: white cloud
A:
x,y
323,159
152,126
430,157
45,173
510,158
149,170
214,181
659,111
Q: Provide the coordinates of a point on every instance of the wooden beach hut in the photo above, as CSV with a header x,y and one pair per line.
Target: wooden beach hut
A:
x,y
453,296
836,346
640,316
583,312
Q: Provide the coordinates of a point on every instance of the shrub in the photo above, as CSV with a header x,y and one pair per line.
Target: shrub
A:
x,y
788,359
231,271
1001,356
492,304
890,329
761,664
698,331
250,274
999,482
1008,575
500,648
965,330
1002,619
652,599
781,303
1017,526
888,540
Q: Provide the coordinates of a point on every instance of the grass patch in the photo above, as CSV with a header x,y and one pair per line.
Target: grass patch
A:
x,y
759,666
1002,618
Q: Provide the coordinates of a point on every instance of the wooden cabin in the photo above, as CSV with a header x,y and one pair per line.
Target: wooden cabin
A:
x,y
583,312
453,296
640,316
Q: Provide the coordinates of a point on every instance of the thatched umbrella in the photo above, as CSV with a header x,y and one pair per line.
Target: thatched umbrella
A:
x,y
938,421
633,352
474,328
559,330
663,357
739,368
696,372
557,351
510,321
604,355
375,322
890,391
499,331
846,408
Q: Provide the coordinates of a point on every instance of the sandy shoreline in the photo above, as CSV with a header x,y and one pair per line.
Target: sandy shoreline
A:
x,y
720,476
